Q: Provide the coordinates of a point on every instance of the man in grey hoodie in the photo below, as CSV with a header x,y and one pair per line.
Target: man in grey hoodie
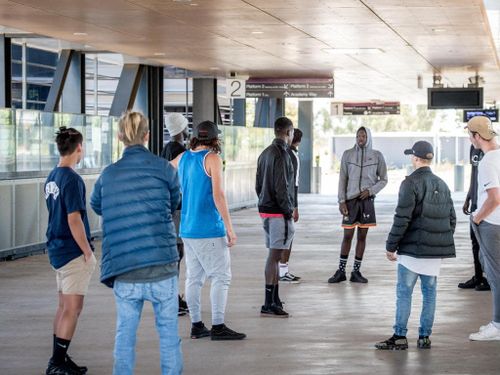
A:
x,y
363,173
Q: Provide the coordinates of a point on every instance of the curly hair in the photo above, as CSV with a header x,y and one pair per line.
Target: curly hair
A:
x,y
215,144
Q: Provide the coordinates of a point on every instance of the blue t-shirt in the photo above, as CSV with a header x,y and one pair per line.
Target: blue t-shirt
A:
x,y
64,194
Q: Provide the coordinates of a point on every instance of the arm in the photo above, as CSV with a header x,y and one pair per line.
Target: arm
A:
x,y
491,203
213,164
453,216
403,215
258,179
78,232
173,184
343,178
281,187
382,176
95,198
175,162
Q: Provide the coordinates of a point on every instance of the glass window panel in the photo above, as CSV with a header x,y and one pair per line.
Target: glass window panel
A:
x,y
40,74
17,71
93,144
49,156
27,141
39,56
35,105
17,52
17,91
37,92
7,141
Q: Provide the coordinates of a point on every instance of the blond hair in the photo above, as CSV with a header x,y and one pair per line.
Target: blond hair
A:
x,y
133,127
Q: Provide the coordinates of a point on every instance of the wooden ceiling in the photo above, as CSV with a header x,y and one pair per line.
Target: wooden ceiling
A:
x,y
375,49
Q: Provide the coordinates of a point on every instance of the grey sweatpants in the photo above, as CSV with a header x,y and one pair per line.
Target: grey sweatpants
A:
x,y
488,236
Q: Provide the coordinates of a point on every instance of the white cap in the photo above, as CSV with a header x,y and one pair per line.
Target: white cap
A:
x,y
175,123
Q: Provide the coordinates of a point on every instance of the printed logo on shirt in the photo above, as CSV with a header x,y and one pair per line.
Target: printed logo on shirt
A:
x,y
51,189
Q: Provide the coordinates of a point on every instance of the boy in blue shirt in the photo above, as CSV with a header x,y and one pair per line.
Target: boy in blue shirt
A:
x,y
68,245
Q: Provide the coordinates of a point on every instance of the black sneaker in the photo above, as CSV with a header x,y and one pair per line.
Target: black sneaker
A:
x,y
273,311
62,369
296,278
469,284
357,277
338,277
183,307
393,343
424,343
483,285
74,366
199,332
225,333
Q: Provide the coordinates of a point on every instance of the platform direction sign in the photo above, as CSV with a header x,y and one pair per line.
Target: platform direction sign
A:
x,y
371,108
290,88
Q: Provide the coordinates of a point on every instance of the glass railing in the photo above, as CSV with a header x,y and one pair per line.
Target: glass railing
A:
x,y
27,143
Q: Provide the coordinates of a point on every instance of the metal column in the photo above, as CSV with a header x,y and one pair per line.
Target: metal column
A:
x,y
73,94
204,100
306,119
5,72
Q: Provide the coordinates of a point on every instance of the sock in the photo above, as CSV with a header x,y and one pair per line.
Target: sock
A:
x,y
269,294
60,349
283,269
276,295
421,337
198,324
357,263
343,262
398,337
217,327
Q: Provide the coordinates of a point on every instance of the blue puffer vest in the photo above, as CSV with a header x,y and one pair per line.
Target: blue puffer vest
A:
x,y
136,197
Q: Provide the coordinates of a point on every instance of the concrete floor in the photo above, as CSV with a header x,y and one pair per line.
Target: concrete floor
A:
x,y
331,330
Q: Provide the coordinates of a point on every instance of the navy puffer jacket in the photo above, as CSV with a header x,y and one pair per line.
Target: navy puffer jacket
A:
x,y
425,219
136,197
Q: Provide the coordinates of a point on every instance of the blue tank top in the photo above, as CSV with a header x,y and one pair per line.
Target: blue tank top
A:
x,y
199,215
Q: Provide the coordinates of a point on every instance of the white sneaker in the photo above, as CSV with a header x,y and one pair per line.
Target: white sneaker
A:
x,y
488,333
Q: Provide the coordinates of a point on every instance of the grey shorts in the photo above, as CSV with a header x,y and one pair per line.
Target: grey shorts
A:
x,y
279,232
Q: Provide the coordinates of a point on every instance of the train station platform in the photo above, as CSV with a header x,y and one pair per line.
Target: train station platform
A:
x,y
331,330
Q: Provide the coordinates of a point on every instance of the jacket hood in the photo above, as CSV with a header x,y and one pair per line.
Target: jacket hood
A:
x,y
368,145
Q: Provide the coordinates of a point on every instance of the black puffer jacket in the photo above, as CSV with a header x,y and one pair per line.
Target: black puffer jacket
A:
x,y
425,219
274,183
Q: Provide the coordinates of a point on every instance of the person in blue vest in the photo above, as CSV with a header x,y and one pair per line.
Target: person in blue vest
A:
x,y
68,244
206,230
136,197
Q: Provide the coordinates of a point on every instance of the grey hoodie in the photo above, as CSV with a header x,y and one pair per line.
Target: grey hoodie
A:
x,y
361,169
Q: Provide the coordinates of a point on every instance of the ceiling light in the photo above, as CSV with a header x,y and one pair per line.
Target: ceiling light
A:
x,y
80,34
438,30
193,4
159,53
257,32
351,51
214,68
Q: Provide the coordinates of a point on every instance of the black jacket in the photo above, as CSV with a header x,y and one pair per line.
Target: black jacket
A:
x,y
295,164
274,183
425,219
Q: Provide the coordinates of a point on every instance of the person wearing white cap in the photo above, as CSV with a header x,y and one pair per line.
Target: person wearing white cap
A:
x,y
177,126
485,220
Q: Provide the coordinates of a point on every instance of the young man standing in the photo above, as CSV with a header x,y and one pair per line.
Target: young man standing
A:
x,y
275,188
68,245
206,229
363,173
176,125
485,219
478,281
285,274
421,234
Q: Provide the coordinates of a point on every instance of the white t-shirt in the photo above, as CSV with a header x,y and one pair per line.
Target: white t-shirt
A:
x,y
488,177
422,266
296,154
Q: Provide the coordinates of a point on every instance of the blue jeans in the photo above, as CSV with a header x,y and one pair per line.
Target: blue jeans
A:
x,y
129,299
406,282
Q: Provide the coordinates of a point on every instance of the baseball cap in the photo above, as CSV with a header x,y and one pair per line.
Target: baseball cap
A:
x,y
206,131
482,126
422,150
175,123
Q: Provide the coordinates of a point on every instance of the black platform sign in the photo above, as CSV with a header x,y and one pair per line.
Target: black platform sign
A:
x,y
371,108
289,88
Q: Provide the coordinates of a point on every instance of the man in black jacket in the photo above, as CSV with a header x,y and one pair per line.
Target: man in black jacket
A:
x,y
421,234
275,188
478,281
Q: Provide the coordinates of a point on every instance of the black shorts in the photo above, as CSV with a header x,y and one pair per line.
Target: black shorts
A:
x,y
361,213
